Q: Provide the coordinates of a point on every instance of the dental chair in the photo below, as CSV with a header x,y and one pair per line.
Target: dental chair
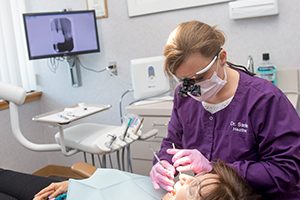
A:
x,y
83,169
89,138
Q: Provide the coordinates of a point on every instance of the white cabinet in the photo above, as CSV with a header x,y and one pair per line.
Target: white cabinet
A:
x,y
156,116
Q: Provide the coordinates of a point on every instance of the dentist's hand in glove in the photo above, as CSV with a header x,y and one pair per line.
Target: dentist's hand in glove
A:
x,y
186,160
162,176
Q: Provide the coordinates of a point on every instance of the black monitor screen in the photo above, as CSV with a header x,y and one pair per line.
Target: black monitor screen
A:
x,y
61,33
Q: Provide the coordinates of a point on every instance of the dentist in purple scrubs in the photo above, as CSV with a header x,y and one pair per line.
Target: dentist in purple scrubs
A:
x,y
220,111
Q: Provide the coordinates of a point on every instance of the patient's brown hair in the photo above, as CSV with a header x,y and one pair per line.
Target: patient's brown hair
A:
x,y
228,186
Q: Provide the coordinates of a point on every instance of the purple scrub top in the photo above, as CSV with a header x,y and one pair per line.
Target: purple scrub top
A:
x,y
258,134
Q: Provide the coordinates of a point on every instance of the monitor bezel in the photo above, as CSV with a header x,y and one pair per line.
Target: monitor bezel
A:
x,y
61,54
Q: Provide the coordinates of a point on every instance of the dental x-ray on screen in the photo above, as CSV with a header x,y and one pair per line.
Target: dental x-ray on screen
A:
x,y
61,33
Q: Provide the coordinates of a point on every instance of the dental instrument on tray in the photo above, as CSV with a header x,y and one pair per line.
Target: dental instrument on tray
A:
x,y
138,126
62,116
126,130
113,137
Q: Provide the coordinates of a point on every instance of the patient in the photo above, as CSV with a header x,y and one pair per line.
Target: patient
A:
x,y
222,183
20,186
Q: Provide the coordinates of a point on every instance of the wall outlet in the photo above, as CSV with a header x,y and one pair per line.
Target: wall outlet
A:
x,y
113,68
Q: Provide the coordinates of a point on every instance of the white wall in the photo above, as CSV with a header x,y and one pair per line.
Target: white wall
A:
x,y
122,39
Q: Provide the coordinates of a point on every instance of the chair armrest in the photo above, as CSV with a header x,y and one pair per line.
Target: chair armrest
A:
x,y
83,169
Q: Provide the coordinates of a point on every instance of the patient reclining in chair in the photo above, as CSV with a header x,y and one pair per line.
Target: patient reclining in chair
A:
x,y
222,183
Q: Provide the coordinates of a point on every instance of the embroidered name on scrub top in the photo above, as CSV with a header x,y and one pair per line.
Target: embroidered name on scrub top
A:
x,y
239,126
213,108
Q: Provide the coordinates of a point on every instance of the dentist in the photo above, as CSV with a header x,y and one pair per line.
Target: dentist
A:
x,y
222,112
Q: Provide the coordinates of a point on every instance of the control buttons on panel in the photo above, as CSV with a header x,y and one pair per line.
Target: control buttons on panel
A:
x,y
151,73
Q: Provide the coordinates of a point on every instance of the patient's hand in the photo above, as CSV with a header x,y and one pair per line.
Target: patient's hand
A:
x,y
53,190
44,196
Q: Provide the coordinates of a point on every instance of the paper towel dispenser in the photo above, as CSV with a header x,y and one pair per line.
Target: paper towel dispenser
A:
x,y
252,8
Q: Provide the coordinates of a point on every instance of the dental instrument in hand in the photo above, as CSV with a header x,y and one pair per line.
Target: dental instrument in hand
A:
x,y
173,192
173,145
157,158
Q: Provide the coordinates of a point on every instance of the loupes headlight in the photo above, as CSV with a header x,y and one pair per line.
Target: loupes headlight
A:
x,y
188,85
196,91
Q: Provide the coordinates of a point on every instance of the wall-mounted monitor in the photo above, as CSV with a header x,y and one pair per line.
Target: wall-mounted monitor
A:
x,y
56,34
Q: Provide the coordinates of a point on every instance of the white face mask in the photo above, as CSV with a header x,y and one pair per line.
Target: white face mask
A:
x,y
210,87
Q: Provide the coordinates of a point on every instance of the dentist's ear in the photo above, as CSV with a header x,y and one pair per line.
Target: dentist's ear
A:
x,y
223,57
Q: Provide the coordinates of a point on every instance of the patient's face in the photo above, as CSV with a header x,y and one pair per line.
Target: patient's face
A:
x,y
189,184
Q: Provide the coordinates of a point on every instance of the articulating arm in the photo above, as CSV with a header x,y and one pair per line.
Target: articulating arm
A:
x,y
16,96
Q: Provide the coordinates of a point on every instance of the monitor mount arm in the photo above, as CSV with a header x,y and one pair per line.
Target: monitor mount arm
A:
x,y
75,73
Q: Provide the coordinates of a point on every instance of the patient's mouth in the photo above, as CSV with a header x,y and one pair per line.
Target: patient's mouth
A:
x,y
172,193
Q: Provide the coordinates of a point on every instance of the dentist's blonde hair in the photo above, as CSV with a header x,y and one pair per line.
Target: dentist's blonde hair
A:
x,y
188,38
